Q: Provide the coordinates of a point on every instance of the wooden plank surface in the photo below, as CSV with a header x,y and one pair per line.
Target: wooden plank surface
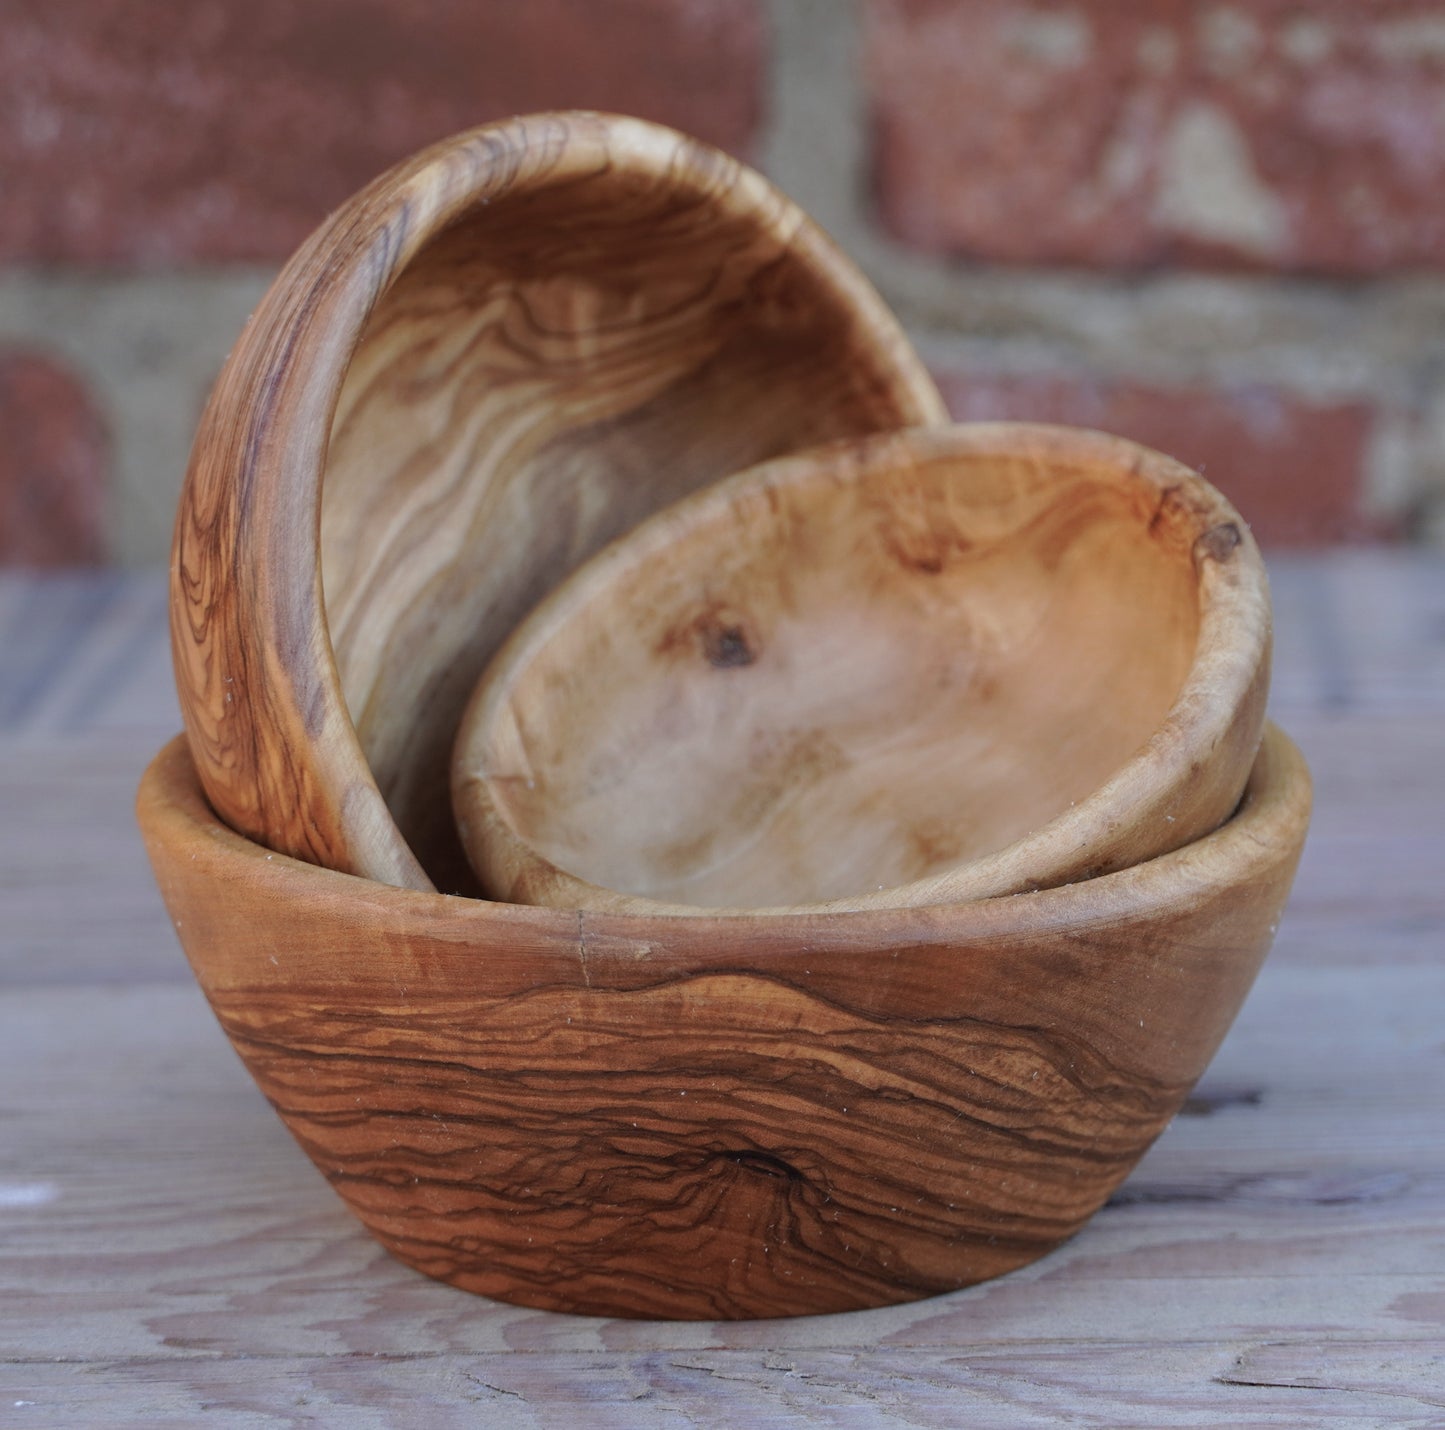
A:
x,y
166,1253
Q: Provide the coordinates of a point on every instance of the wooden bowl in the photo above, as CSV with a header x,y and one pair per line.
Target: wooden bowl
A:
x,y
497,357
724,1116
919,668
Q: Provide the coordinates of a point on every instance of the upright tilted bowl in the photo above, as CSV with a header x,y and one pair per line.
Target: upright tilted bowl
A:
x,y
916,668
496,357
724,1116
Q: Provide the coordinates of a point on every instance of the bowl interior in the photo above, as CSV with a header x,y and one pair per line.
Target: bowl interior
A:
x,y
842,672
600,337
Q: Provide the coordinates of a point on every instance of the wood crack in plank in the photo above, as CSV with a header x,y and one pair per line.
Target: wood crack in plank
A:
x,y
1281,1383
493,1389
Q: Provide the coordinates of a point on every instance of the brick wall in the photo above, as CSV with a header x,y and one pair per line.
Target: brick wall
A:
x,y
1216,227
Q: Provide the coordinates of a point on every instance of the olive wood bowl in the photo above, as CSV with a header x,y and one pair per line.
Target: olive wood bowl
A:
x,y
496,357
724,1116
916,668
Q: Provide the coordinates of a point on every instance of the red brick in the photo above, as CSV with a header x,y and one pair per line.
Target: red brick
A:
x,y
1296,135
146,132
1293,468
54,465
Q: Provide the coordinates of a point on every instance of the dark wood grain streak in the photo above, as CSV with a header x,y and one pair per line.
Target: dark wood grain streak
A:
x,y
496,357
724,1116
761,1159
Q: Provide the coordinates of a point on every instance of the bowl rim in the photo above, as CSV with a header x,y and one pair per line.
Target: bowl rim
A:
x,y
1226,683
254,483
1266,832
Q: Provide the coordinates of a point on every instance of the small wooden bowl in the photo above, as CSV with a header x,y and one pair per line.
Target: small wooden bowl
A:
x,y
724,1116
497,357
919,668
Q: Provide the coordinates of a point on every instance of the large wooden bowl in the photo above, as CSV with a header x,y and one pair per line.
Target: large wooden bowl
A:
x,y
724,1116
498,356
919,668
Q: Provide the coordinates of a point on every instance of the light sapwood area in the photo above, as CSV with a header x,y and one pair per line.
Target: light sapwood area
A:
x,y
171,1257
495,358
725,1117
919,668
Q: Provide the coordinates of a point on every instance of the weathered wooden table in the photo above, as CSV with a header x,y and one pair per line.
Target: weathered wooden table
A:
x,y
166,1252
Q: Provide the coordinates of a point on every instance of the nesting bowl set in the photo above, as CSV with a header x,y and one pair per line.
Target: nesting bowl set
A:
x,y
673,827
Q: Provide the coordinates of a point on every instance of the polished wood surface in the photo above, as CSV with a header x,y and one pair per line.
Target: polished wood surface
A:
x,y
730,1116
917,668
498,356
171,1257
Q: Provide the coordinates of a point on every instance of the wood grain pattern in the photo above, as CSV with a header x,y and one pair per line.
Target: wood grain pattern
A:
x,y
1275,1257
193,1257
916,668
499,355
725,1117
1356,1385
